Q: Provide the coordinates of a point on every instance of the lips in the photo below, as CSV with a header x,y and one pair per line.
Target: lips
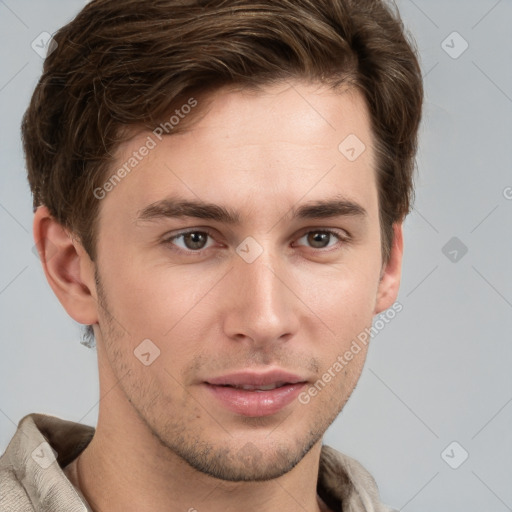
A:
x,y
256,393
256,379
249,387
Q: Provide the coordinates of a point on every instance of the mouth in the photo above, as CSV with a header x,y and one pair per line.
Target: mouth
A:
x,y
249,387
256,394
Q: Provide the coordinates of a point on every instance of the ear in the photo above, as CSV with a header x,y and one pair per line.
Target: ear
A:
x,y
67,266
391,273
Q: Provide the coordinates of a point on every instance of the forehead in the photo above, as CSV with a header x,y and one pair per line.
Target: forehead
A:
x,y
280,143
289,113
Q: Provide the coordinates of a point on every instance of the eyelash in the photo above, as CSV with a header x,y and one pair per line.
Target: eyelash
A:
x,y
168,241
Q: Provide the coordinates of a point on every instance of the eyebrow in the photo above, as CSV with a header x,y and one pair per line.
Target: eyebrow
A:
x,y
338,206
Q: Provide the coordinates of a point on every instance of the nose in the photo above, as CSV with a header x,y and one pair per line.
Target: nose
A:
x,y
261,308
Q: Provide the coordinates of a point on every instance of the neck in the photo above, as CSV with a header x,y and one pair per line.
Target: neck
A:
x,y
111,481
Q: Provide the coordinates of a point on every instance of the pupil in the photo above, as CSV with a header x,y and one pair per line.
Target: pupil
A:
x,y
318,237
197,240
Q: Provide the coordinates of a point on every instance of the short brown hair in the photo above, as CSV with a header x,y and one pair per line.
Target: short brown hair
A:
x,y
127,63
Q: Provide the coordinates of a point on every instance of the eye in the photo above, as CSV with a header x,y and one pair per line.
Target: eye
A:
x,y
193,241
319,239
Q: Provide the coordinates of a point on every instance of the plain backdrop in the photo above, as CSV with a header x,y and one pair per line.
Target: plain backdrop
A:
x,y
431,416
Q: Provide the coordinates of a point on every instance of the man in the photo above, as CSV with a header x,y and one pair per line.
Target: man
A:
x,y
219,190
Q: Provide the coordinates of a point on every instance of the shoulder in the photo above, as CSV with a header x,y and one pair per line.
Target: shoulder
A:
x,y
30,468
349,481
13,496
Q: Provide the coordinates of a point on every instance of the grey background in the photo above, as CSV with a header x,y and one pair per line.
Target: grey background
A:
x,y
438,373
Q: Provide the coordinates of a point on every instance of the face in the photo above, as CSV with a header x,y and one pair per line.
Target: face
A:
x,y
264,290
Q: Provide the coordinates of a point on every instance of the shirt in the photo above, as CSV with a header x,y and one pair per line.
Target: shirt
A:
x,y
32,476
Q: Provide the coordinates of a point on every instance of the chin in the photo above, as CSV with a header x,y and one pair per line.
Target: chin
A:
x,y
249,463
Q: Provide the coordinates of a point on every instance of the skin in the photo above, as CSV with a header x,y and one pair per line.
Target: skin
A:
x,y
162,442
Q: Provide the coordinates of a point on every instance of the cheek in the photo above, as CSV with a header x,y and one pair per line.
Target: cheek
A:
x,y
324,399
341,295
345,308
164,303
154,300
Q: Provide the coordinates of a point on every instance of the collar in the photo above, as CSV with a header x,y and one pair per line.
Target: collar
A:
x,y
41,439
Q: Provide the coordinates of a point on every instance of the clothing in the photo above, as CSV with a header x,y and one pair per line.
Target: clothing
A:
x,y
32,476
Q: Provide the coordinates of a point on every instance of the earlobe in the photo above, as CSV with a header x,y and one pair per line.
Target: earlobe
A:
x,y
391,273
67,266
